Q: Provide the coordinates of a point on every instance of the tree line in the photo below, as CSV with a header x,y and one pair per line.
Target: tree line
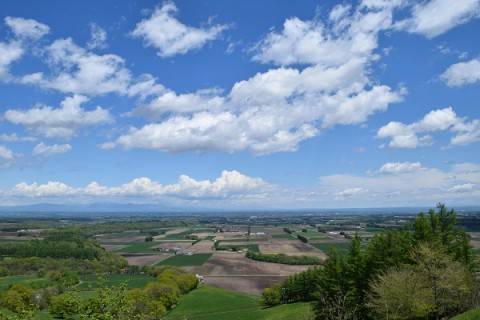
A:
x,y
422,271
283,258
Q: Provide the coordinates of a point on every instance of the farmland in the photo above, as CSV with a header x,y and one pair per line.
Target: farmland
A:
x,y
214,248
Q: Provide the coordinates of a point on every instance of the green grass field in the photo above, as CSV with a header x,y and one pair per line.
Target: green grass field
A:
x,y
245,240
197,259
309,233
115,280
284,236
340,246
178,236
253,247
473,314
217,304
28,281
139,247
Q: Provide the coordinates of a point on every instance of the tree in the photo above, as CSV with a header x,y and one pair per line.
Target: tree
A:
x,y
19,299
148,238
273,295
434,286
64,306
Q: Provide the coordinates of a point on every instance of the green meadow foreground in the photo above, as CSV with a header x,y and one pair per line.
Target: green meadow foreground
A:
x,y
237,267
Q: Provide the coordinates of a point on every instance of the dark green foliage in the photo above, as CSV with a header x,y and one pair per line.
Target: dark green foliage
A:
x,y
283,258
302,238
148,239
342,286
287,230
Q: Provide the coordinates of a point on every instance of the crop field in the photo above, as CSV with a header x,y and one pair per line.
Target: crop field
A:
x,y
231,270
253,247
339,246
144,259
176,234
284,236
245,240
292,248
309,233
90,282
197,259
140,247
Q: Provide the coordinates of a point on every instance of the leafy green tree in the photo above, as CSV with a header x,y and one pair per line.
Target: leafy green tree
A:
x,y
273,295
19,299
434,286
64,306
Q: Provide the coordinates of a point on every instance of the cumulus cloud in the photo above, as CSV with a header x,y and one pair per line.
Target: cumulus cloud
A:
x,y
7,157
170,101
9,52
43,150
462,188
435,17
275,110
5,153
27,28
230,184
13,137
352,35
399,167
462,73
171,37
98,37
349,193
59,122
400,184
76,70
416,134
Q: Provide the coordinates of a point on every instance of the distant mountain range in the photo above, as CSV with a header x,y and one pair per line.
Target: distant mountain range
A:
x,y
159,208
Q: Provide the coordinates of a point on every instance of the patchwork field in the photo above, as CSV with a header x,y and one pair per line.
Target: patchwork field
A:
x,y
197,259
291,248
144,259
231,270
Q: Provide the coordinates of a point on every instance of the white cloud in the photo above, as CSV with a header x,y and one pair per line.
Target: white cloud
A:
x,y
98,37
13,137
435,17
410,136
407,184
5,153
169,101
276,110
466,187
462,73
50,189
348,193
9,52
171,37
230,184
146,85
313,42
43,150
7,157
59,122
27,28
466,132
79,71
399,167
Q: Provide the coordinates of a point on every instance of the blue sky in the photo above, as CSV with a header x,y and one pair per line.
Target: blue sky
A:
x,y
240,105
